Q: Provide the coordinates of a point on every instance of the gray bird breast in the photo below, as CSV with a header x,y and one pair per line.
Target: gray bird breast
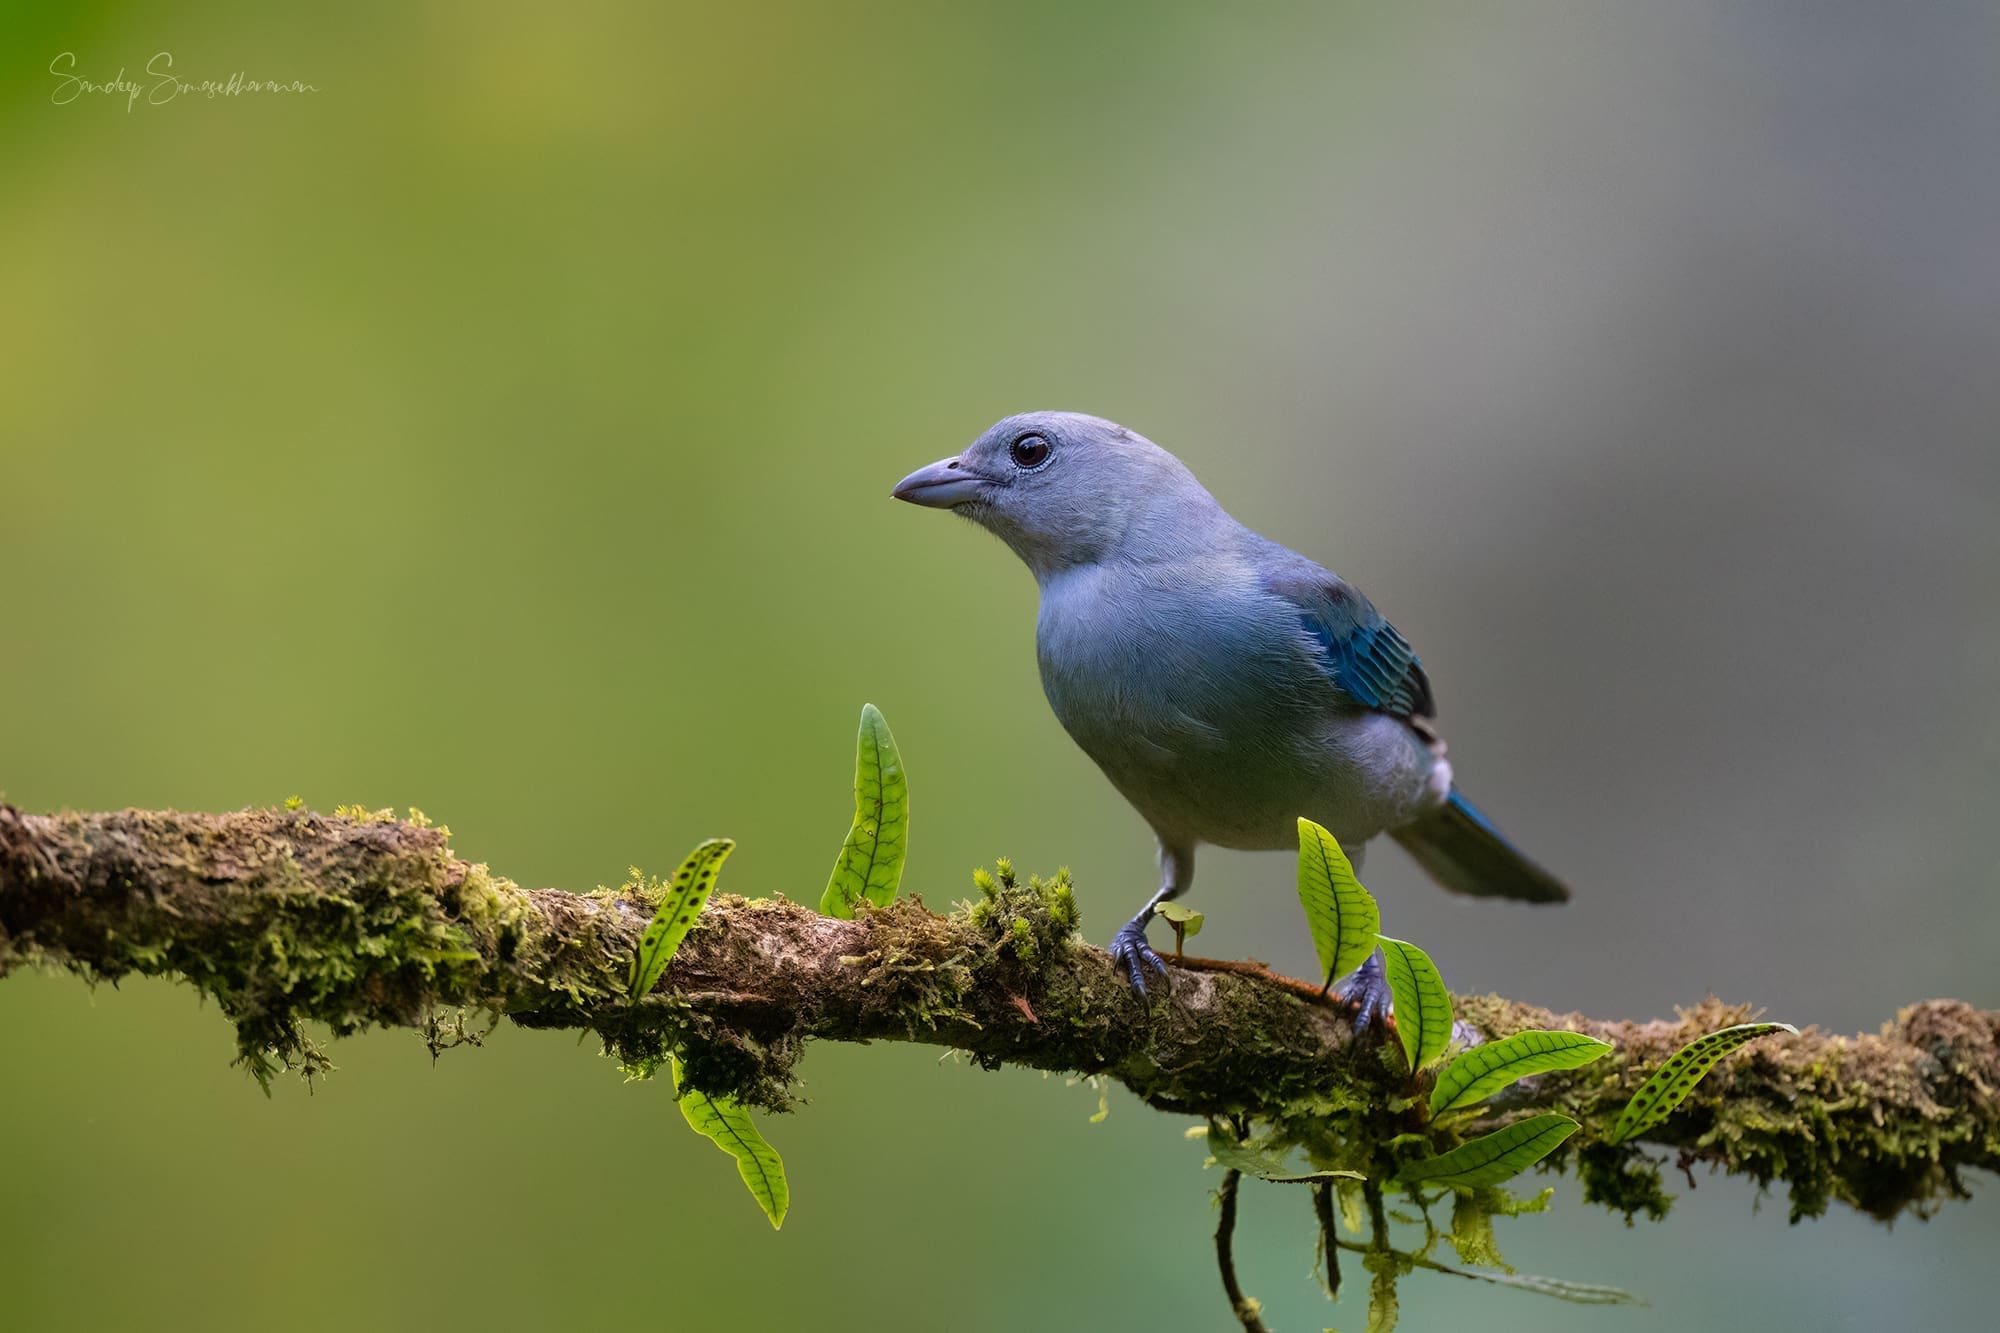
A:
x,y
1202,702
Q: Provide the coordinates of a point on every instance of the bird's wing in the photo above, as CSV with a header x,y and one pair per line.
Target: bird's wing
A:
x,y
1361,652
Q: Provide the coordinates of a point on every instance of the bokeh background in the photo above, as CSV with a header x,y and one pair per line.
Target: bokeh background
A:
x,y
410,442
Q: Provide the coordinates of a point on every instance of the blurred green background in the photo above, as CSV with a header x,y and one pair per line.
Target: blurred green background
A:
x,y
506,429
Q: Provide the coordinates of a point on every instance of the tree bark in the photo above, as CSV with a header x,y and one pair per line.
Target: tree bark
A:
x,y
356,920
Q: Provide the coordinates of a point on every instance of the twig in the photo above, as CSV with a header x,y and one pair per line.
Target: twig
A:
x,y
1250,967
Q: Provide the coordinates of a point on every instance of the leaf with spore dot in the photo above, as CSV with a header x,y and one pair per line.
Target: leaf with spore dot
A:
x,y
1342,914
682,902
1485,1070
1496,1157
1423,1006
1673,1081
870,867
728,1126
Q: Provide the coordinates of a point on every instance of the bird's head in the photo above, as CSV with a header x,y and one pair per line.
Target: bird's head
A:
x,y
1065,489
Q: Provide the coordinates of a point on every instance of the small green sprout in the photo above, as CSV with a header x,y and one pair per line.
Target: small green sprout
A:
x,y
1185,922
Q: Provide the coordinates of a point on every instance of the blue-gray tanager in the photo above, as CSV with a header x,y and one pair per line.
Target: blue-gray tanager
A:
x,y
1225,684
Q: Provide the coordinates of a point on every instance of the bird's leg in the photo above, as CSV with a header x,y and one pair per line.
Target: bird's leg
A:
x,y
1129,949
1366,993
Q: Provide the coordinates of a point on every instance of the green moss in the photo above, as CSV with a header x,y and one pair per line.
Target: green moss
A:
x,y
310,922
375,951
1623,1179
1024,940
1471,1232
1038,917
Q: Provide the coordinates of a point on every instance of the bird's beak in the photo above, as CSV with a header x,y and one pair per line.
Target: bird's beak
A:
x,y
943,484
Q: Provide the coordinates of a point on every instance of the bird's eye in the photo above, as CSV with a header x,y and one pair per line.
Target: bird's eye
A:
x,y
1030,451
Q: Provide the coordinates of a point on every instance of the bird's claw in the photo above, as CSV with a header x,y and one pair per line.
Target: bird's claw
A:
x,y
1366,996
1132,955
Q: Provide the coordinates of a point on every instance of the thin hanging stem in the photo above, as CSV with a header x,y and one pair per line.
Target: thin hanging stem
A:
x,y
1245,1308
1328,1237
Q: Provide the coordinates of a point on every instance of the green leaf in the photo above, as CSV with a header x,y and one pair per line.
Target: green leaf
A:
x,y
1342,915
870,867
1484,1070
1423,1005
686,895
728,1126
1498,1156
1673,1081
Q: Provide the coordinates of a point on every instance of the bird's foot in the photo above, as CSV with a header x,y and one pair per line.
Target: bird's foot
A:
x,y
1133,956
1365,993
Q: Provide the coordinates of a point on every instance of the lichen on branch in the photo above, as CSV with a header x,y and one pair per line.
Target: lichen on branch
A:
x,y
355,920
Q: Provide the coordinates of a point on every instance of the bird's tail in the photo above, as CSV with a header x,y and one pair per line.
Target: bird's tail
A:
x,y
1460,849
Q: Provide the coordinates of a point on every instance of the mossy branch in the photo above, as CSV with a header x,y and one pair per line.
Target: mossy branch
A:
x,y
289,918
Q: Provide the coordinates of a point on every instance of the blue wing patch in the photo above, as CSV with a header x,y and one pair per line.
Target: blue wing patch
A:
x,y
1366,656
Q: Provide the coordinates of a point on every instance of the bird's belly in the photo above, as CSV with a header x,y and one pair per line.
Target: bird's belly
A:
x,y
1358,776
1234,759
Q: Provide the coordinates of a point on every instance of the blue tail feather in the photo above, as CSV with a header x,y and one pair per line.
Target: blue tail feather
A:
x,y
1461,849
